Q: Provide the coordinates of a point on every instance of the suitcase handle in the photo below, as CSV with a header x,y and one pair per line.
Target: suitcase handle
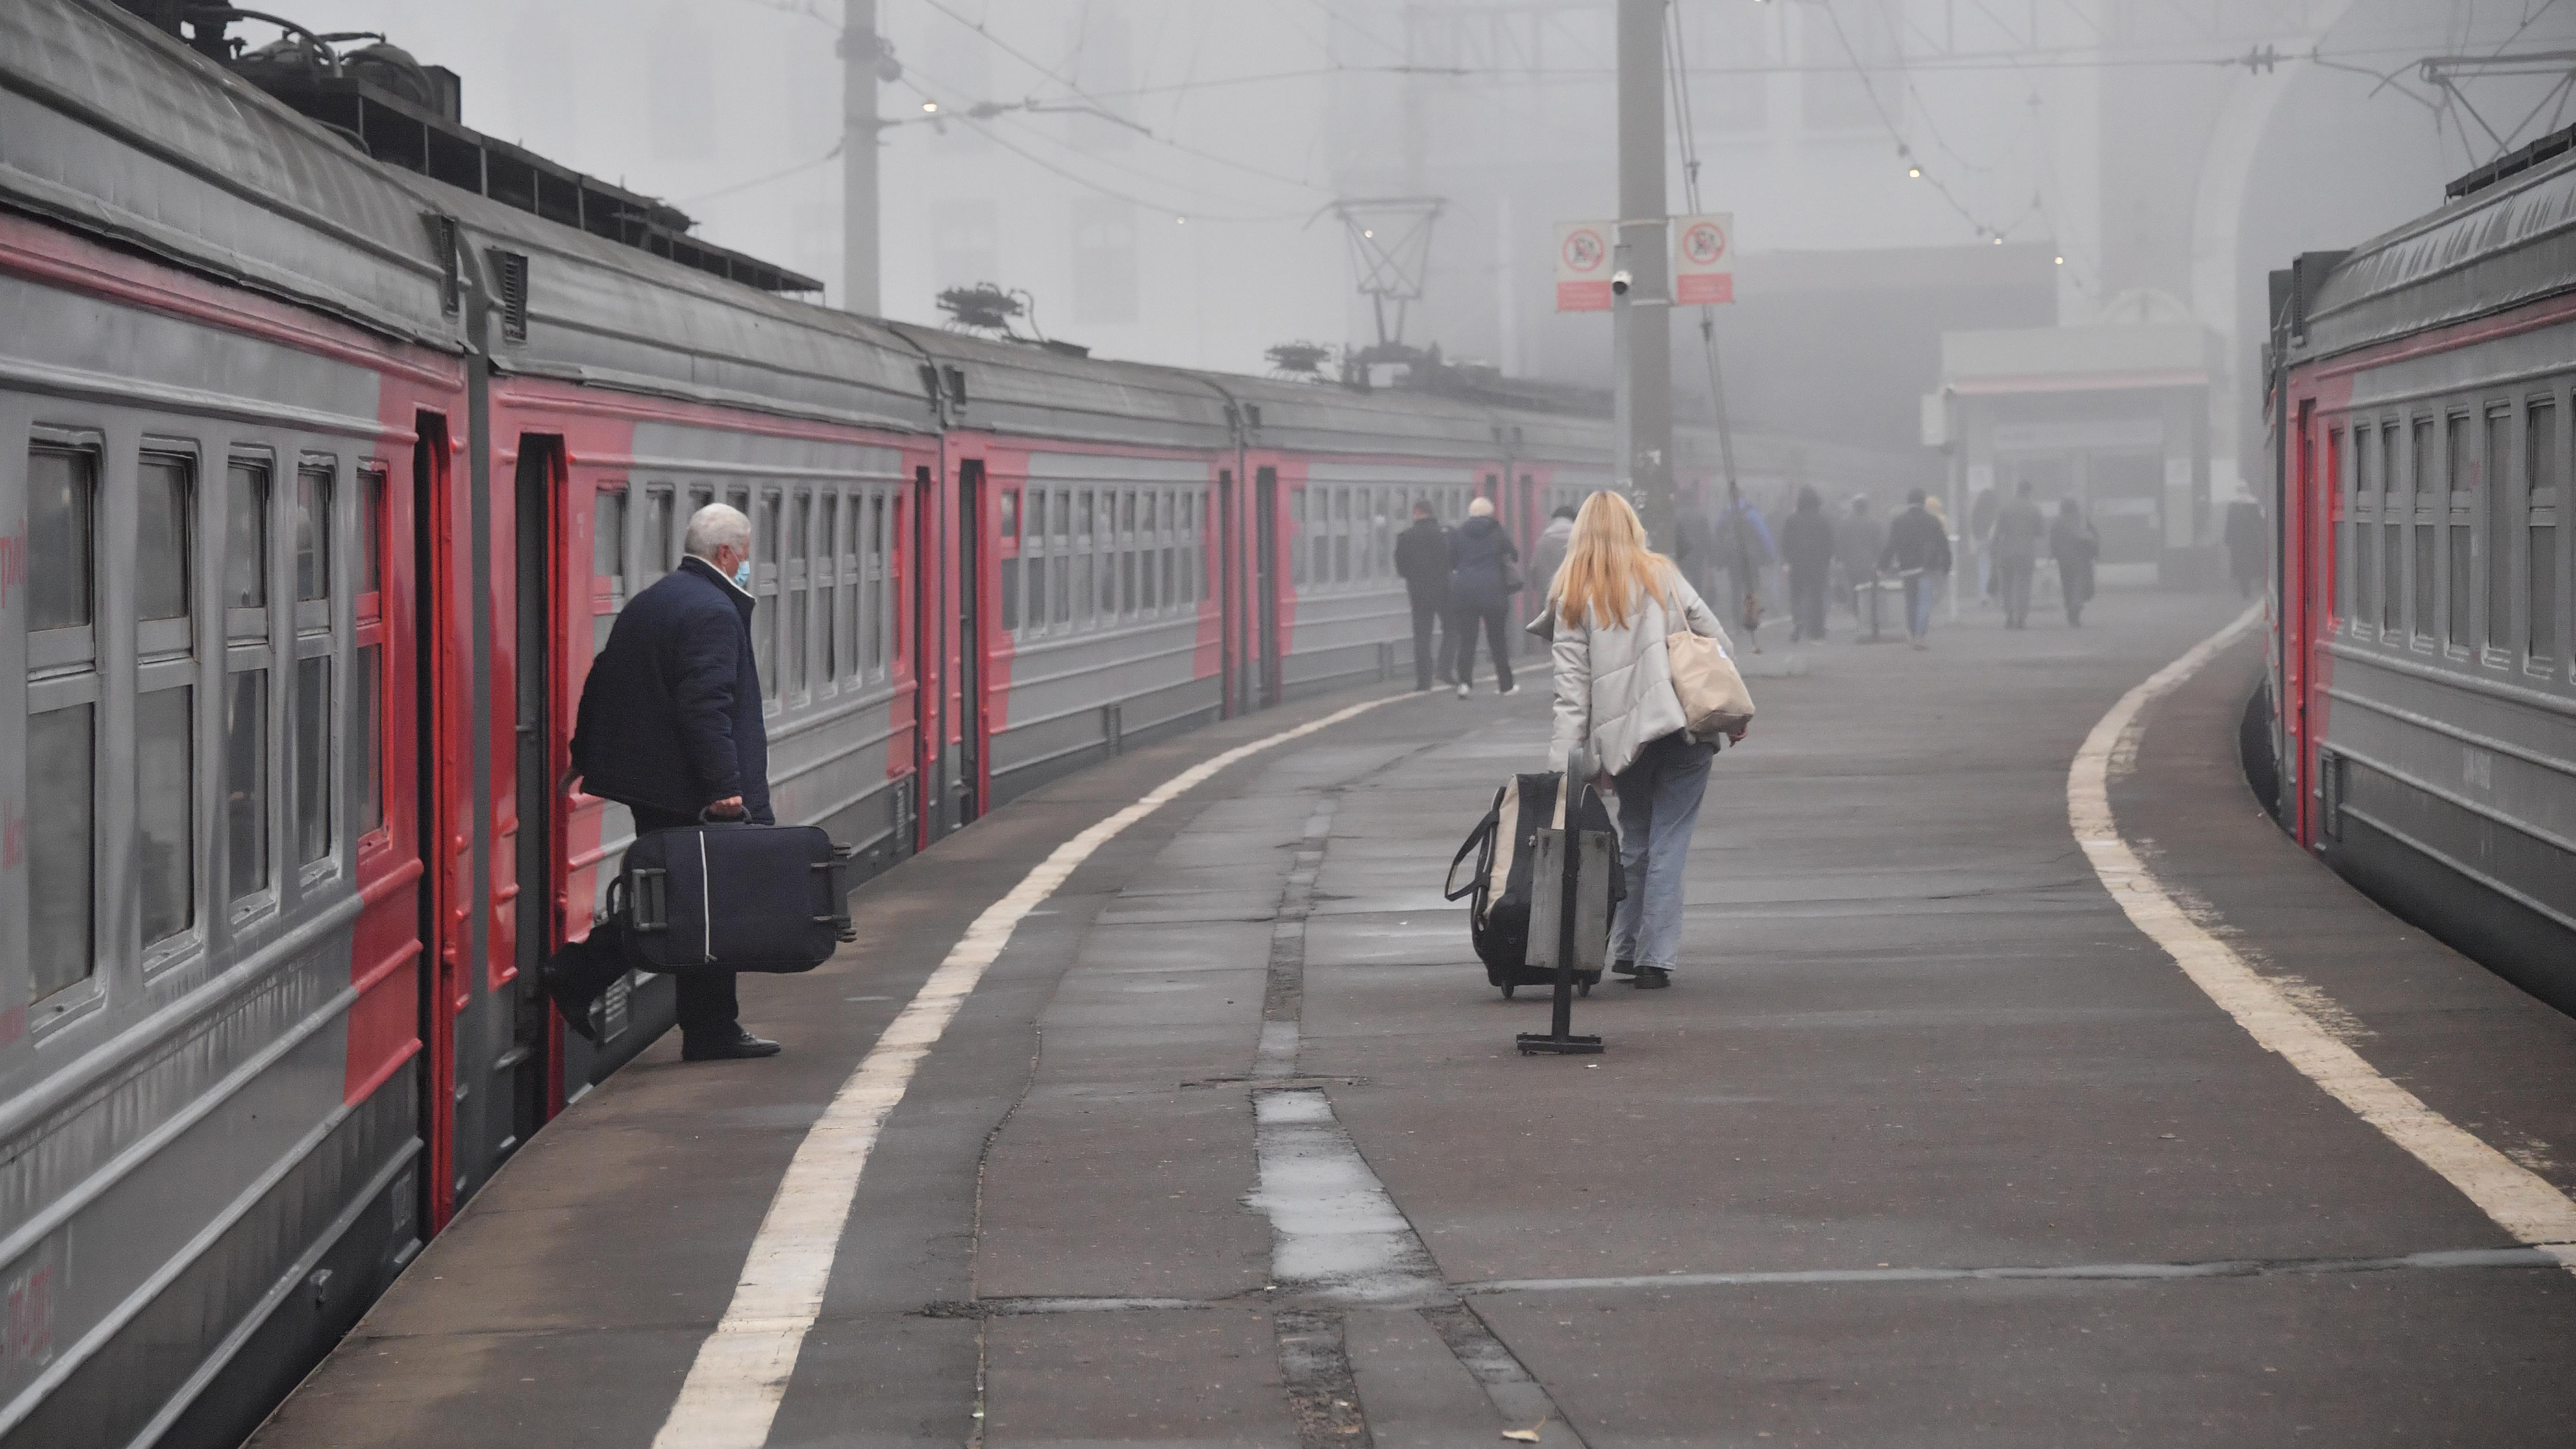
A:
x,y
836,881
645,907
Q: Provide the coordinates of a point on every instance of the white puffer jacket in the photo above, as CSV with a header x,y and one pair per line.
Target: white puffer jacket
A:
x,y
1614,685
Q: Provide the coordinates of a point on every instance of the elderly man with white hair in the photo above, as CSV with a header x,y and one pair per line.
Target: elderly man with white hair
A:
x,y
670,728
1481,582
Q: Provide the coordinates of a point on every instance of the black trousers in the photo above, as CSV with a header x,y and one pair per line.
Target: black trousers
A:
x,y
1430,636
1807,602
1496,622
708,1005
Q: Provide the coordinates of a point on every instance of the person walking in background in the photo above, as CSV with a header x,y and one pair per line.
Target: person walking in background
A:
x,y
1858,537
2072,542
1744,547
1480,595
2012,541
1608,613
1807,541
1548,554
2245,545
1918,551
1982,510
670,727
1422,561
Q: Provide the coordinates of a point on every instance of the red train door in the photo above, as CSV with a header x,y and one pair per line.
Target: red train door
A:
x,y
2293,574
439,794
930,673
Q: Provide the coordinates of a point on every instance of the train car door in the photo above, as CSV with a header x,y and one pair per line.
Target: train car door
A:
x,y
930,671
969,783
1229,603
1265,580
2292,565
444,810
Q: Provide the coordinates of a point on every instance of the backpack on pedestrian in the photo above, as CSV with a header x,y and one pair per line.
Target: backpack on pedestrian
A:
x,y
1505,846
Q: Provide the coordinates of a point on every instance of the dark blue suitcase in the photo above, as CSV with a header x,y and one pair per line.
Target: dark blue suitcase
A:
x,y
733,897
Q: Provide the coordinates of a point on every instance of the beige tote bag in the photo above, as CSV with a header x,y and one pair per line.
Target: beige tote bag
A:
x,y
1714,699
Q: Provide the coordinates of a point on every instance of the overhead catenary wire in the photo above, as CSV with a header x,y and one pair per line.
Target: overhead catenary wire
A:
x,y
1677,80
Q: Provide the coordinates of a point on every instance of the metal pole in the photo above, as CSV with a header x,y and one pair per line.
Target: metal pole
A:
x,y
859,59
1646,443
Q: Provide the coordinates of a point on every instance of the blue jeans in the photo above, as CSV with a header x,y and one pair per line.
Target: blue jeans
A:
x,y
1658,804
1919,589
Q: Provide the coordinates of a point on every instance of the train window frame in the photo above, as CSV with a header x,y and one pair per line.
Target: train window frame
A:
x,y
2361,564
609,591
1006,554
795,605
766,505
1297,550
363,696
2459,560
64,676
311,732
658,539
2424,550
2542,536
2502,489
823,570
2339,511
168,661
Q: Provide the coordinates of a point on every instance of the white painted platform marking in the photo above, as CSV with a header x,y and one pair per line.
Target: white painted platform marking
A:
x,y
742,1370
2522,1202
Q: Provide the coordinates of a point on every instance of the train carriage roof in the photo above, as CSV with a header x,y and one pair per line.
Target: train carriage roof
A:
x,y
120,132
610,315
1018,388
1307,417
2500,247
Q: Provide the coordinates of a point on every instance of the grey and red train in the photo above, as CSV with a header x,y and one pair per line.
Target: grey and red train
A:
x,y
2425,743
322,477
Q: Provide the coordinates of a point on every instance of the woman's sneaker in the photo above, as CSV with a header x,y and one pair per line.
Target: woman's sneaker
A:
x,y
1463,690
1653,978
1623,968
1510,689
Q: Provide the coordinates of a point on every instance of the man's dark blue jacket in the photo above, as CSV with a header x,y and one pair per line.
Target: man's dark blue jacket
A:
x,y
670,716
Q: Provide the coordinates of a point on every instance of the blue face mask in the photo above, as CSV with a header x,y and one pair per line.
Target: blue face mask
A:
x,y
742,576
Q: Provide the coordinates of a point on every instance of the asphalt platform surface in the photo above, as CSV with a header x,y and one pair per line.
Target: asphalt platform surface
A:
x,y
1926,1146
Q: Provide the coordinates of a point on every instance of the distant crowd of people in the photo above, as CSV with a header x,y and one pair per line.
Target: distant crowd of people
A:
x,y
1462,580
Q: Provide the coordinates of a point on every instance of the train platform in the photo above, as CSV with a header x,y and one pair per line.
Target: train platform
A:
x,y
1168,1105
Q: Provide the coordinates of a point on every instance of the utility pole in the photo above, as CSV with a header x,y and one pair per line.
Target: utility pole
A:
x,y
861,54
1643,316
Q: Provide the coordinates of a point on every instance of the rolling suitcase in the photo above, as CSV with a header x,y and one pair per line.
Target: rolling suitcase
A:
x,y
1505,847
729,896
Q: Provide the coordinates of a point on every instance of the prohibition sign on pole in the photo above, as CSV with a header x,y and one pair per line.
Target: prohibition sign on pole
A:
x,y
1704,259
1583,266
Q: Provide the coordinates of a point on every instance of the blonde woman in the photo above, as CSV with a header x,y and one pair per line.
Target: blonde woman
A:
x,y
1608,611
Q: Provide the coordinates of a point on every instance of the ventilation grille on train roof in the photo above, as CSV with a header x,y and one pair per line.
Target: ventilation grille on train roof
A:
x,y
510,289
2512,163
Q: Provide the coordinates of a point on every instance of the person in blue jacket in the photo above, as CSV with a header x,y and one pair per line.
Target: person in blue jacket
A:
x,y
1480,595
670,728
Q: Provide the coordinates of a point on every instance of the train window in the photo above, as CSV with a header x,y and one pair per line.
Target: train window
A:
x,y
2340,479
161,539
312,759
2428,496
1167,523
313,536
1060,544
165,796
2392,579
2498,524
1033,561
794,577
1341,535
2459,480
608,542
62,761
245,784
826,571
1203,581
2544,490
659,530
1105,542
1006,532
371,541
62,528
246,548
367,680
764,587
1297,537
1126,601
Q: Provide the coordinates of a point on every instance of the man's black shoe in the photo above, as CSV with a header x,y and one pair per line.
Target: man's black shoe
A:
x,y
1623,968
569,1005
1653,978
741,1045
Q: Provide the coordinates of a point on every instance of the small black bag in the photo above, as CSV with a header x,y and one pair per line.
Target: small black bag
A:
x,y
1505,845
732,897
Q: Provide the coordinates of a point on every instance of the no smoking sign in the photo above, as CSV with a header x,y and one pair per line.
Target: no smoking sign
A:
x,y
1704,259
1583,266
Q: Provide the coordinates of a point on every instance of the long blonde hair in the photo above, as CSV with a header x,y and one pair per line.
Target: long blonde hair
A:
x,y
1608,568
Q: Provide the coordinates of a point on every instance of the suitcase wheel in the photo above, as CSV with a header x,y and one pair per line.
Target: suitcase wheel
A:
x,y
1583,988
1508,988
